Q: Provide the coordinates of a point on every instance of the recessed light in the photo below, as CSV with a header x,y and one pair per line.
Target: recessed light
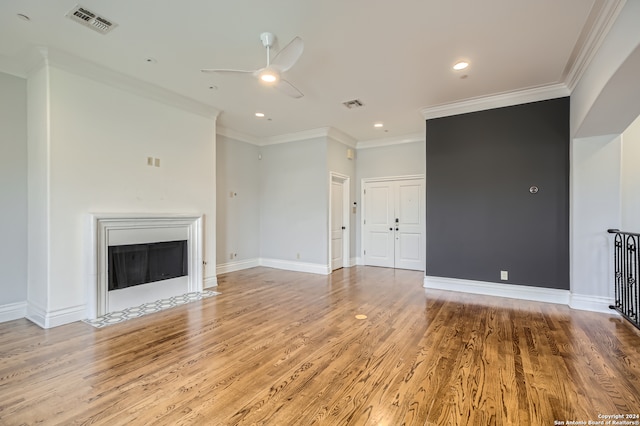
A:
x,y
151,60
213,87
23,17
460,65
260,114
378,125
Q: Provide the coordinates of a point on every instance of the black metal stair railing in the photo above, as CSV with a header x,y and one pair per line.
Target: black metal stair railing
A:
x,y
626,259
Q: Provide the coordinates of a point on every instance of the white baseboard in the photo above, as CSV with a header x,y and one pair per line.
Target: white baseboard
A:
x,y
239,265
55,318
512,291
289,265
592,303
210,282
13,311
353,262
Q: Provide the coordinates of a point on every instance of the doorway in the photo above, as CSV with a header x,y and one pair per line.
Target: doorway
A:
x,y
393,222
339,221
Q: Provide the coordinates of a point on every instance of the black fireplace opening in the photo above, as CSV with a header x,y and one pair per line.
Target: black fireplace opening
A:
x,y
136,264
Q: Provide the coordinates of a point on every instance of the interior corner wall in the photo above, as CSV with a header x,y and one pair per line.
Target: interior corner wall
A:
x,y
294,203
237,206
338,162
94,160
38,169
481,216
595,207
385,161
13,190
630,181
620,42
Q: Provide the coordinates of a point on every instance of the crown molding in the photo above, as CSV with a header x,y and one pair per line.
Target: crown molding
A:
x,y
342,137
601,24
322,132
239,136
499,100
96,72
395,140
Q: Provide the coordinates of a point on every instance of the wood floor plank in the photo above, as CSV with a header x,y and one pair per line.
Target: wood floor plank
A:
x,y
286,348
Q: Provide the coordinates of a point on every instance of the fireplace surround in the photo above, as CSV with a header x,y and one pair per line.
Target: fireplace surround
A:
x,y
132,229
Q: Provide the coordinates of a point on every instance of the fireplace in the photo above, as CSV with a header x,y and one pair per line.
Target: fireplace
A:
x,y
136,264
143,258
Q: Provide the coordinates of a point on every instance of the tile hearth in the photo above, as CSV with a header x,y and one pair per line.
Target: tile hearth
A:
x,y
149,308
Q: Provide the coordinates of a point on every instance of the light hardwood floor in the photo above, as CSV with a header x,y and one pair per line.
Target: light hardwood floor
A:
x,y
285,348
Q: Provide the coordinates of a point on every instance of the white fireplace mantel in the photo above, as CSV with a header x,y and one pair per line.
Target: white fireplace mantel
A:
x,y
137,228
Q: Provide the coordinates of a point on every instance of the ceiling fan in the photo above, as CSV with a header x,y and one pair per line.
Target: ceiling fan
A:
x,y
272,72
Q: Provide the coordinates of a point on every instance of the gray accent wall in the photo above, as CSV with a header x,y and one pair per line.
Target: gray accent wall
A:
x,y
481,217
238,203
13,189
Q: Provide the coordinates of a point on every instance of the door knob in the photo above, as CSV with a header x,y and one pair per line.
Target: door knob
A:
x,y
390,229
344,227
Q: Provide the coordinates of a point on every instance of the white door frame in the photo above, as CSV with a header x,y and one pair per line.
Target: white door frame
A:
x,y
364,206
346,245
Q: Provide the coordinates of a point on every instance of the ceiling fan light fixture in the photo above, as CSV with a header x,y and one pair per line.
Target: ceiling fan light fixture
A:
x,y
460,65
269,76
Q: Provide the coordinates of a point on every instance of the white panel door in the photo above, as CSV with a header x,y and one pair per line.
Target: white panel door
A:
x,y
394,223
409,229
378,225
337,226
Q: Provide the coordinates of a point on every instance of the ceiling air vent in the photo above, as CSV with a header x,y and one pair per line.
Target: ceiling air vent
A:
x,y
356,103
91,20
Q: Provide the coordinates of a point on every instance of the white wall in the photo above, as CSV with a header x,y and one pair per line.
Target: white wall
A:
x,y
630,185
95,160
595,207
38,169
385,161
597,194
294,204
338,162
13,194
238,216
620,42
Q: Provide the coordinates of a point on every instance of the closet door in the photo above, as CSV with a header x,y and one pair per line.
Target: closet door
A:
x,y
394,223
378,227
409,230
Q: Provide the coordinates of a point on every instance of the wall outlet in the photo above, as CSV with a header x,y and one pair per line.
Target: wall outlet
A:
x,y
297,255
230,255
149,161
504,275
156,162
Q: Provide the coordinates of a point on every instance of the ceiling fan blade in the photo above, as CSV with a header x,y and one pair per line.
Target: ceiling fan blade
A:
x,y
288,55
288,89
229,71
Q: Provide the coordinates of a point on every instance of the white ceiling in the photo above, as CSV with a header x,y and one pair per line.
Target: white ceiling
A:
x,y
395,56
